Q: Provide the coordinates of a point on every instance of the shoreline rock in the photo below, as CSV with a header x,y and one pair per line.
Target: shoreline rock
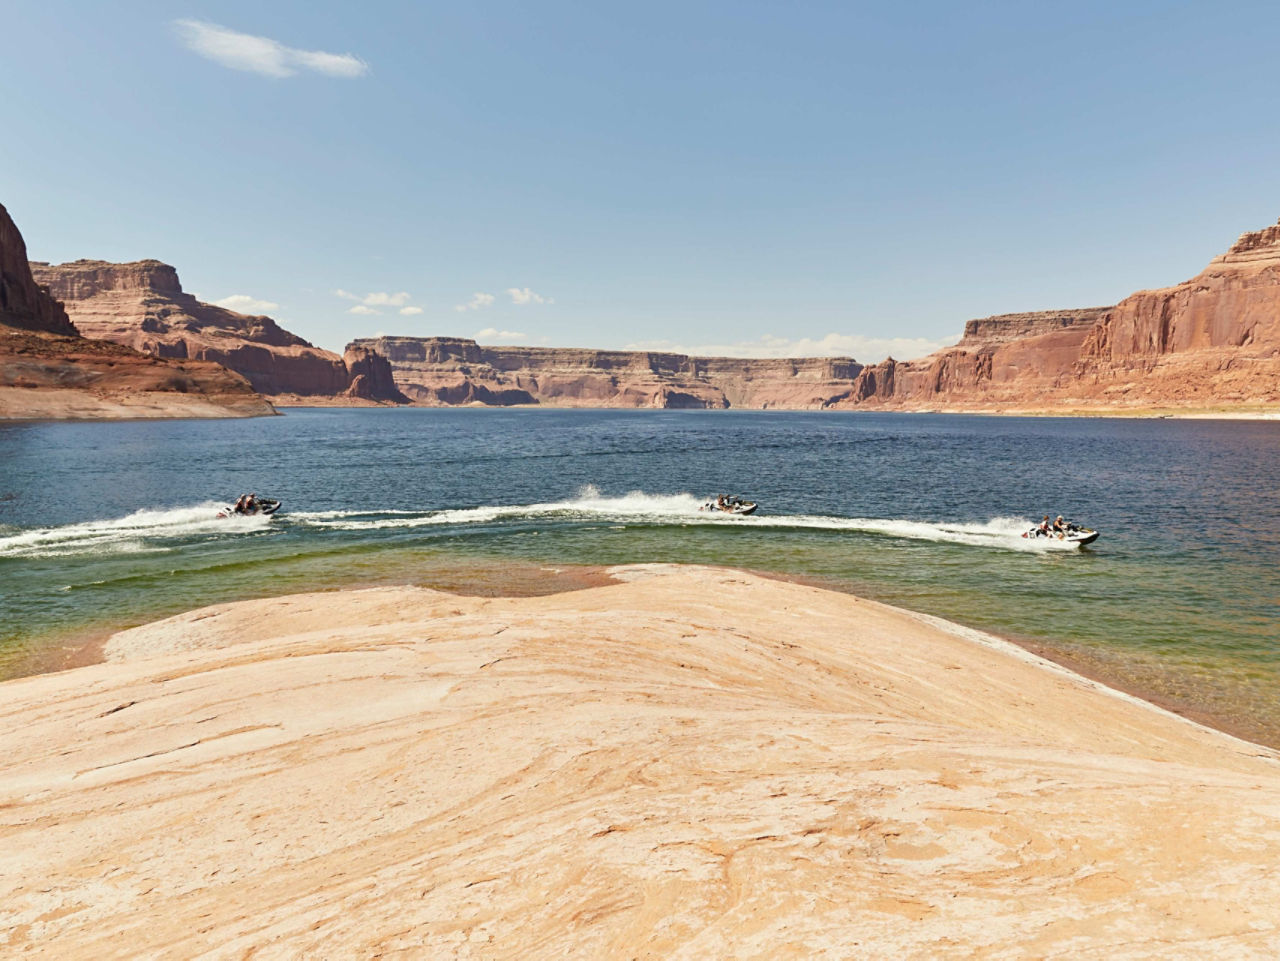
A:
x,y
695,760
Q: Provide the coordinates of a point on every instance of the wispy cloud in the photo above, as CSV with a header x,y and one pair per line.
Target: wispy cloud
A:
x,y
521,296
868,350
244,304
262,55
478,301
492,333
369,303
379,298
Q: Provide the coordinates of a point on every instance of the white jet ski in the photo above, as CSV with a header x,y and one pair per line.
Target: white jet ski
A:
x,y
1074,534
729,504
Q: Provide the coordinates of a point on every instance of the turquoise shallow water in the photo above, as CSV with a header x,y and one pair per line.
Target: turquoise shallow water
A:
x,y
107,525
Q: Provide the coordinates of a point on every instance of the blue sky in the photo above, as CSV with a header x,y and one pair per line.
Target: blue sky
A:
x,y
751,178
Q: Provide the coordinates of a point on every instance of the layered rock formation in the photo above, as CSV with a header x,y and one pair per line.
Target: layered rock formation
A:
x,y
1005,360
1212,341
371,377
447,371
47,370
142,305
23,302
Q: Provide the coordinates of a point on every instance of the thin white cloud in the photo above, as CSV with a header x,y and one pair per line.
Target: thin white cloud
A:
x,y
368,303
382,299
378,298
478,301
867,350
522,296
244,304
492,333
262,55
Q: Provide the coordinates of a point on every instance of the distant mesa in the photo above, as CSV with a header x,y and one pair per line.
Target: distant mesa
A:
x,y
450,371
49,371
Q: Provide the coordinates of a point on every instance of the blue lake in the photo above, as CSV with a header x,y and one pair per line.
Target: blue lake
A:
x,y
104,525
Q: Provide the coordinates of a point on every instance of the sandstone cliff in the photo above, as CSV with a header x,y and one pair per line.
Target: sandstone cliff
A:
x,y
371,376
1212,341
23,302
47,370
142,305
446,371
1009,360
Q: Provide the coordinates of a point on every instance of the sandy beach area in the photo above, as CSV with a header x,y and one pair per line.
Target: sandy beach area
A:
x,y
688,763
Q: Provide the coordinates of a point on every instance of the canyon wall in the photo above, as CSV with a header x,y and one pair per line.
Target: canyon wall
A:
x,y
24,304
450,371
1214,339
1209,342
47,370
142,305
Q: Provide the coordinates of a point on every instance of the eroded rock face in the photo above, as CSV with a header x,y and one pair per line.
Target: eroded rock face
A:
x,y
47,370
142,305
1003,328
446,371
371,376
23,302
1213,340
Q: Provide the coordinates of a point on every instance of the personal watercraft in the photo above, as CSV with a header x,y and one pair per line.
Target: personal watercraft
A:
x,y
729,504
1074,534
262,506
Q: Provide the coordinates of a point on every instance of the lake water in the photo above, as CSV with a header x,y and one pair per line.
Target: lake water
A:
x,y
105,525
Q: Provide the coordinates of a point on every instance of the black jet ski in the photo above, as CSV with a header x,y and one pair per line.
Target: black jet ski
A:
x,y
1074,534
729,504
262,507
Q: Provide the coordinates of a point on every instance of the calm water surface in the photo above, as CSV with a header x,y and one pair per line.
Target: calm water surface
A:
x,y
106,525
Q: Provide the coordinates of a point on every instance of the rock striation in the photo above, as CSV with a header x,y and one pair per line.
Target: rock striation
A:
x,y
451,370
47,370
1009,360
142,305
23,302
371,376
1212,341
694,763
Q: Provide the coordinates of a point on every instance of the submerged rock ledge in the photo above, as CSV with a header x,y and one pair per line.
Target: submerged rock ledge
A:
x,y
692,762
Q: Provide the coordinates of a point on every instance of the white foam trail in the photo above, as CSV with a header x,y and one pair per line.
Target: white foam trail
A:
x,y
134,533
683,509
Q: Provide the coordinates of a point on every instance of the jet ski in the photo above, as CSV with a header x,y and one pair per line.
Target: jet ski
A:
x,y
262,506
1074,534
729,504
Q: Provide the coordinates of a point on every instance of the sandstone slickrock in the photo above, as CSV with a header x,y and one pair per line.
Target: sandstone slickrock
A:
x,y
693,764
47,370
142,305
449,370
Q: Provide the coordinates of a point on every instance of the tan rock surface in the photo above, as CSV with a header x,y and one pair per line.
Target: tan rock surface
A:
x,y
693,764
